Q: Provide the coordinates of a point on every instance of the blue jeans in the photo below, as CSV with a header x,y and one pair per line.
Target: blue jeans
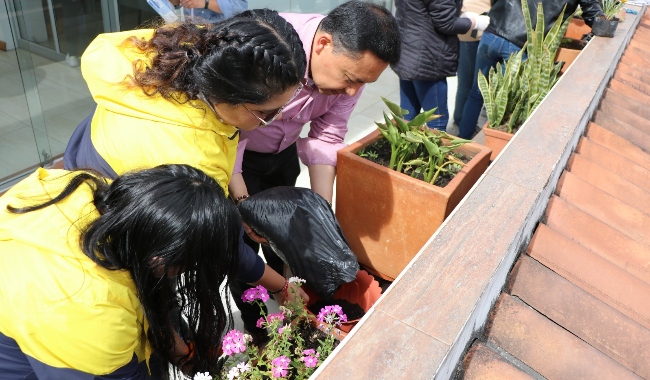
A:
x,y
491,50
420,94
465,76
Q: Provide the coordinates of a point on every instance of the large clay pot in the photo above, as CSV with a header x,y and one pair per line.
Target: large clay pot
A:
x,y
387,216
495,140
567,56
576,29
364,291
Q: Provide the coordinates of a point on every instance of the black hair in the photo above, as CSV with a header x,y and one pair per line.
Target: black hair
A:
x,y
169,219
359,26
247,58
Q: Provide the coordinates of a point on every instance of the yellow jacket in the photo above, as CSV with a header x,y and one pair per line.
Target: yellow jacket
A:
x,y
131,130
58,305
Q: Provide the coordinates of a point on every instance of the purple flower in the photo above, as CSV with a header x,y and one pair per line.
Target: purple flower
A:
x,y
256,293
275,317
279,366
233,343
332,315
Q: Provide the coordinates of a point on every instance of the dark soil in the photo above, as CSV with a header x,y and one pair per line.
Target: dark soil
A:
x,y
311,335
379,153
351,310
570,43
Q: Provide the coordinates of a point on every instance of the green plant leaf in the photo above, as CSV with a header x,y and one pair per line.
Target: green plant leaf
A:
x,y
421,118
394,108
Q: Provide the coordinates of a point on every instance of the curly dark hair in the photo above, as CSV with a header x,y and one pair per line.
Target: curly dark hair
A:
x,y
244,59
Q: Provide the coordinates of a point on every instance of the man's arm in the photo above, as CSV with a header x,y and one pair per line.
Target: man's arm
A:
x,y
590,10
321,178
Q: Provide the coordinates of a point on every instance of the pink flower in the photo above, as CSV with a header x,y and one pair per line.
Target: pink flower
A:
x,y
332,315
275,317
279,366
256,293
310,361
233,343
260,322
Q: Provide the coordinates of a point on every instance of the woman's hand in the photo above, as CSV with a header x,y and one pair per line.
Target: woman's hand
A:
x,y
290,294
254,236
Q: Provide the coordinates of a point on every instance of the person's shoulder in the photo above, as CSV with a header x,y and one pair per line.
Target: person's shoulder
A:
x,y
302,18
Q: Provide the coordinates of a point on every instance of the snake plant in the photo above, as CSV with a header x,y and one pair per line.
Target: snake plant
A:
x,y
512,91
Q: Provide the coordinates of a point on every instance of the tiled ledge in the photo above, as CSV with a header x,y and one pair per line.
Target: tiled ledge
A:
x,y
424,323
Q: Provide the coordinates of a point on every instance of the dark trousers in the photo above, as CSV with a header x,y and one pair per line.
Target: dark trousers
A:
x,y
263,171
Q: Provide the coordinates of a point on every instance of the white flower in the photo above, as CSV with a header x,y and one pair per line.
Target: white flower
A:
x,y
243,367
233,373
248,338
296,280
202,376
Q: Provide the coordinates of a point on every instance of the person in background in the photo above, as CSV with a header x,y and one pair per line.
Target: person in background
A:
x,y
349,47
181,94
506,34
84,269
211,11
467,58
429,55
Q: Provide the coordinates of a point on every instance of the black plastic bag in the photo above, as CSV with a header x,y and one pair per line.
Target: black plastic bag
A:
x,y
302,230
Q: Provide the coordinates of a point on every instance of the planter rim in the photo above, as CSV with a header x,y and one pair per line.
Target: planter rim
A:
x,y
499,134
469,148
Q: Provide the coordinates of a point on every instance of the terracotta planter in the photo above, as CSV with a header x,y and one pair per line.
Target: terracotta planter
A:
x,y
576,29
567,56
364,291
387,216
495,140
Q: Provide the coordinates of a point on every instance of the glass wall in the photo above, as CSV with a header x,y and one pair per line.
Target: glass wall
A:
x,y
42,94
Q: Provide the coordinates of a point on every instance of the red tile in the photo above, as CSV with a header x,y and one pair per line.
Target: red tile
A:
x,y
624,130
633,72
598,237
624,89
591,273
547,348
614,142
609,182
620,104
636,84
605,207
638,54
481,363
580,313
610,160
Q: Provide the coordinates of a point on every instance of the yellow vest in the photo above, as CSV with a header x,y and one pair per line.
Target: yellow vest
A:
x,y
60,307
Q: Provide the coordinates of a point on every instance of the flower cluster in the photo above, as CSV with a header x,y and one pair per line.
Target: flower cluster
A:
x,y
310,358
332,315
234,342
256,293
287,355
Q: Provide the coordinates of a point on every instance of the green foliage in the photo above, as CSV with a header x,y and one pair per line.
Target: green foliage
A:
x,y
513,91
612,7
416,149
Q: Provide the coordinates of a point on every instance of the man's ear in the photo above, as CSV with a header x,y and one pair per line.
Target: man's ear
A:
x,y
323,41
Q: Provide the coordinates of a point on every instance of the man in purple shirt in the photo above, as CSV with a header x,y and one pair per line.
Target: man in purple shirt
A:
x,y
349,47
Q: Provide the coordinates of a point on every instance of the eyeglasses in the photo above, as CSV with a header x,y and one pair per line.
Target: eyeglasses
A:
x,y
272,115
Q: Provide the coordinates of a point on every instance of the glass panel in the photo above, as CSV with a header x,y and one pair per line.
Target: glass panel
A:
x,y
136,13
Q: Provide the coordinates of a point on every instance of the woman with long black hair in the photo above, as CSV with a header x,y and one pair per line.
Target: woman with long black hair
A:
x,y
85,268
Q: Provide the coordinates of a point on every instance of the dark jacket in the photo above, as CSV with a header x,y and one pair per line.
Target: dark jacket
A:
x,y
429,31
507,17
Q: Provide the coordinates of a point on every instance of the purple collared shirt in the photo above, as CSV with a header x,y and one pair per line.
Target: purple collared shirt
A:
x,y
328,114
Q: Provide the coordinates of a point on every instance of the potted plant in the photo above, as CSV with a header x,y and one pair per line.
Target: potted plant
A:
x,y
387,213
512,93
605,25
297,346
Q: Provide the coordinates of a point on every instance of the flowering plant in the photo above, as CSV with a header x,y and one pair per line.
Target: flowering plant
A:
x,y
288,354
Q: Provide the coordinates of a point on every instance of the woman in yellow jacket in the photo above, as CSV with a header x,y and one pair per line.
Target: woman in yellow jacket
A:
x,y
180,93
84,266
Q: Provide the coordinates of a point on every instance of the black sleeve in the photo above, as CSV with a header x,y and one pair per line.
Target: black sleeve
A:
x,y
590,10
445,17
251,265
